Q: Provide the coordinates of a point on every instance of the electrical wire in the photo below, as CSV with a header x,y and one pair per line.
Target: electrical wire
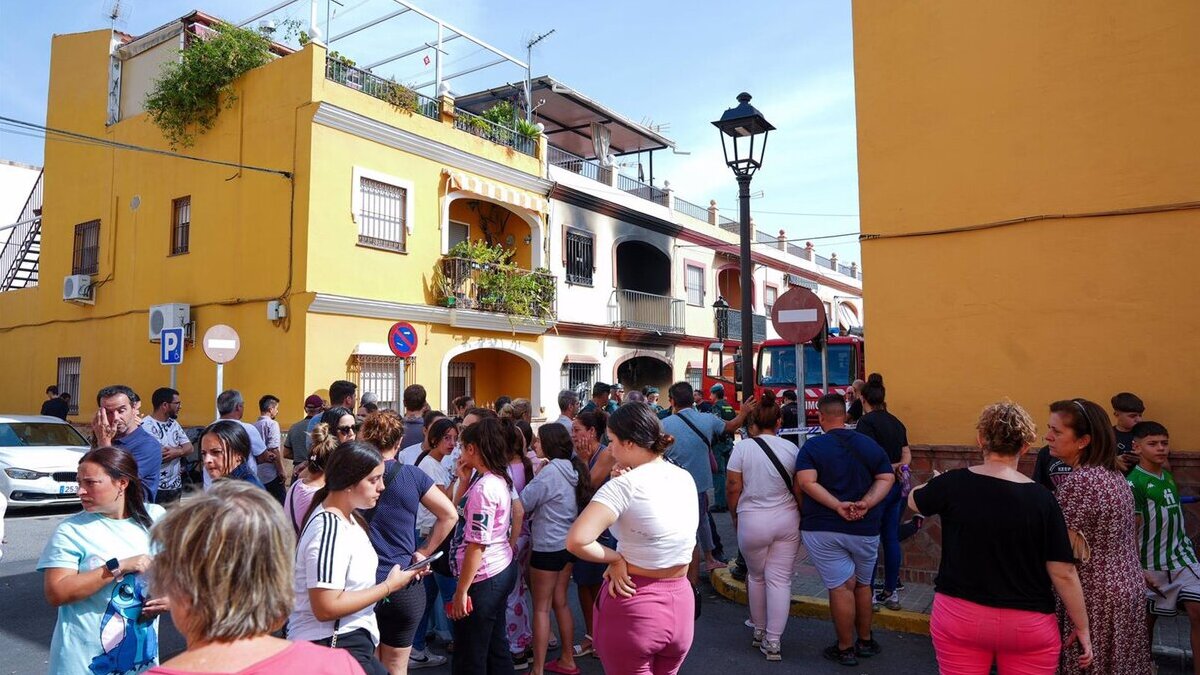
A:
x,y
778,241
103,142
795,213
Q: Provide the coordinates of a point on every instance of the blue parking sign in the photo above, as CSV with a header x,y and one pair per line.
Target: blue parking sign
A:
x,y
171,346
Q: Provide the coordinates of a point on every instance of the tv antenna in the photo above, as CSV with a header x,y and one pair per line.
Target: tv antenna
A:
x,y
529,107
118,12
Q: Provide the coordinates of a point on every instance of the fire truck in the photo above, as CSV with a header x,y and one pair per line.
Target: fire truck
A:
x,y
775,369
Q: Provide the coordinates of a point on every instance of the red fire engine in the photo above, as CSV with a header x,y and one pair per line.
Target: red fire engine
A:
x,y
775,369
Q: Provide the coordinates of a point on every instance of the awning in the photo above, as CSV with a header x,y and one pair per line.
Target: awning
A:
x,y
495,191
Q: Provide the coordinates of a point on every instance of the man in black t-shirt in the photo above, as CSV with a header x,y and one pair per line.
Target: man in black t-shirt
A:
x,y
1049,470
1127,411
54,405
790,416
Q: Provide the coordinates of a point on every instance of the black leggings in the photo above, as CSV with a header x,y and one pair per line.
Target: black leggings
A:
x,y
361,646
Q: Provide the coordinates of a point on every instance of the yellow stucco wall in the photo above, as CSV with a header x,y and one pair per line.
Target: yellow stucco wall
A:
x,y
971,113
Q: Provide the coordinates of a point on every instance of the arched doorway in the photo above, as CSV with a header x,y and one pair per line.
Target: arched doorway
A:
x,y
644,371
486,370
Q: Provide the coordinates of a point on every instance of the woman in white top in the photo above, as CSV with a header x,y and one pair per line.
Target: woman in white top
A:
x,y
335,562
758,485
644,617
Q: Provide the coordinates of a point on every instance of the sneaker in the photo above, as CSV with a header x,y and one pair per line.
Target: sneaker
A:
x,y
756,641
423,659
867,648
521,660
770,649
845,657
888,600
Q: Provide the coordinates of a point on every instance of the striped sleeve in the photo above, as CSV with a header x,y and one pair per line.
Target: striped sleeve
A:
x,y
326,555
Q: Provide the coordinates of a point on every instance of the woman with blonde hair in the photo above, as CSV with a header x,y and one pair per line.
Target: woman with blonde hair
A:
x,y
1005,554
227,611
312,478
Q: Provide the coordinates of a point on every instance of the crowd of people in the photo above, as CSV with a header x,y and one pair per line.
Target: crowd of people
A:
x,y
389,531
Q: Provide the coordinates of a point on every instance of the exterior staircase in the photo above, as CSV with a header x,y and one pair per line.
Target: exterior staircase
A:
x,y
20,254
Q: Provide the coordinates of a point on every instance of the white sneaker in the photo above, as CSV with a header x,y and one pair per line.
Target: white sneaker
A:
x,y
756,641
770,649
423,659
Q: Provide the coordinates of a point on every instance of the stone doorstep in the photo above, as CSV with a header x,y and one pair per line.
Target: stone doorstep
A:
x,y
902,621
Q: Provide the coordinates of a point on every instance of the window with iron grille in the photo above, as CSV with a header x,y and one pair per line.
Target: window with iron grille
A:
x,y
381,216
695,377
68,380
460,380
181,224
380,375
770,294
579,258
694,281
579,377
86,256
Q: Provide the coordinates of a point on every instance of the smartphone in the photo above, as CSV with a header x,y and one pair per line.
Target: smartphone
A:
x,y
424,563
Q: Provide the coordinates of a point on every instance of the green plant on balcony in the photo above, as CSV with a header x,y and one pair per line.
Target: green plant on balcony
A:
x,y
190,93
504,114
497,284
402,98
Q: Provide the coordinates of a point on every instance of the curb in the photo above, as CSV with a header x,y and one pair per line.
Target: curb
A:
x,y
816,608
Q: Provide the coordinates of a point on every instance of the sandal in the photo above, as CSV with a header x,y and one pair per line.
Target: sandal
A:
x,y
556,667
580,650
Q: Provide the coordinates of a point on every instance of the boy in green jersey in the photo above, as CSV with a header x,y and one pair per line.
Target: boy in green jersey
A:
x,y
1169,561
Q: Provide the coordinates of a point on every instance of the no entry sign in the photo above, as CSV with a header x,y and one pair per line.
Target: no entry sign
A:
x,y
798,315
402,339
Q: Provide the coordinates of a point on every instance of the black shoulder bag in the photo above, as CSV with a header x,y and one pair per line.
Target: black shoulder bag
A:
x,y
787,481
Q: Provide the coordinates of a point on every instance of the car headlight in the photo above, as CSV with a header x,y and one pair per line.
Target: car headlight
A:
x,y
25,474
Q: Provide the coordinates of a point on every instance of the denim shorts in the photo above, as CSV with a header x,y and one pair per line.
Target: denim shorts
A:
x,y
838,557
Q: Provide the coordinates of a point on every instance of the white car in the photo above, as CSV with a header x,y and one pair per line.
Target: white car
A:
x,y
39,460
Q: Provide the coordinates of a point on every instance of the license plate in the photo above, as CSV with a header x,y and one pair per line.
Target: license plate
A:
x,y
71,489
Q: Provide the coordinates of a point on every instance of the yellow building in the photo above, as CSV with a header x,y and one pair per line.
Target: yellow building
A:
x,y
316,195
1032,172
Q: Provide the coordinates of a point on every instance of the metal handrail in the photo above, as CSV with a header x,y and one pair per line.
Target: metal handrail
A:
x,y
823,261
576,164
375,86
638,188
474,285
496,133
733,330
689,209
645,311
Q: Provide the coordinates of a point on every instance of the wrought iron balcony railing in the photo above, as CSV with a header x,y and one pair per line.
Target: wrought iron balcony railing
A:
x,y
645,311
487,287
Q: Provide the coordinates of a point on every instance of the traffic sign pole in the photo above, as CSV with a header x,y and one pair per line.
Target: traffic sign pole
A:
x,y
220,386
221,345
172,377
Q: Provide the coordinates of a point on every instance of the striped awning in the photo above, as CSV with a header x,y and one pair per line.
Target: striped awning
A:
x,y
495,191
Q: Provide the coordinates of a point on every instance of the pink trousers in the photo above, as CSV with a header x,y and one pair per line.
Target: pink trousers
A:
x,y
648,634
968,638
769,540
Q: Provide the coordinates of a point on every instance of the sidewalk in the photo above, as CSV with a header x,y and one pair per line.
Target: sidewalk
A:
x,y
810,599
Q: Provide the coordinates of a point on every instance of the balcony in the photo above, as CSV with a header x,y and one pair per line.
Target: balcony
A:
x,y
646,311
488,287
639,189
498,134
400,96
734,329
602,174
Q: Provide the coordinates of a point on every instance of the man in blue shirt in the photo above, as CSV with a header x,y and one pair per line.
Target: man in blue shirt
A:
x,y
694,433
844,476
116,423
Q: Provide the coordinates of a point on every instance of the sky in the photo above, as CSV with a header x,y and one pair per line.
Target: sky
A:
x,y
666,62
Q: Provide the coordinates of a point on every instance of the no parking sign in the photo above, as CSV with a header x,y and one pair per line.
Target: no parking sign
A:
x,y
402,339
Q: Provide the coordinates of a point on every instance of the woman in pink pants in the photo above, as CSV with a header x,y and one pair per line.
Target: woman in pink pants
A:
x,y
644,613
758,487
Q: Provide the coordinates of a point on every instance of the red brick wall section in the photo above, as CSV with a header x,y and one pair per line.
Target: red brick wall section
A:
x,y
923,551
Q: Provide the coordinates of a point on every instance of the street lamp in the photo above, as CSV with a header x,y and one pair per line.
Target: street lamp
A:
x,y
721,312
739,128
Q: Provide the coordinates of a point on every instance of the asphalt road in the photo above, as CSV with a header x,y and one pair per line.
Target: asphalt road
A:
x,y
721,646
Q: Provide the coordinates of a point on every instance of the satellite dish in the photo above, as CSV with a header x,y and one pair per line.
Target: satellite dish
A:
x,y
135,203
118,12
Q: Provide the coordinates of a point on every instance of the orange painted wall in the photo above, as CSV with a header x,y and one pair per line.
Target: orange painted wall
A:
x,y
497,373
971,113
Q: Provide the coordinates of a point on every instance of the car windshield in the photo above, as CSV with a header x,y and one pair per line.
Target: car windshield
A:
x,y
777,365
35,434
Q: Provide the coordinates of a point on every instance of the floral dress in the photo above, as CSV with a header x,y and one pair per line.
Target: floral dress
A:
x,y
1098,503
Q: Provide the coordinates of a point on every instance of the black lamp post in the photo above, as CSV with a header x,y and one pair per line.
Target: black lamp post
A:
x,y
721,314
740,127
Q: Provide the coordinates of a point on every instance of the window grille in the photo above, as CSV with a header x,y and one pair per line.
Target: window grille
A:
x,y
181,224
770,294
68,380
579,377
380,375
695,285
381,218
86,256
460,380
695,377
579,258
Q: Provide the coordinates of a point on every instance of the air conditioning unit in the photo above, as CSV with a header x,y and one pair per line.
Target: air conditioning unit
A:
x,y
170,315
78,288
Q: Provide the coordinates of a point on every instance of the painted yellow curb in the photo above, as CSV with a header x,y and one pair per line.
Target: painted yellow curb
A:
x,y
818,608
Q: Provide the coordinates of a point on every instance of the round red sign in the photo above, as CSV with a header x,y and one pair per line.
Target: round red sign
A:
x,y
798,315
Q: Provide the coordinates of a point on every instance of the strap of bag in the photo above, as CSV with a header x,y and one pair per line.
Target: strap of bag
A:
x,y
292,507
775,461
707,442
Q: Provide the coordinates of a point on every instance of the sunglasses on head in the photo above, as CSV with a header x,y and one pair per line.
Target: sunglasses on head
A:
x,y
347,429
